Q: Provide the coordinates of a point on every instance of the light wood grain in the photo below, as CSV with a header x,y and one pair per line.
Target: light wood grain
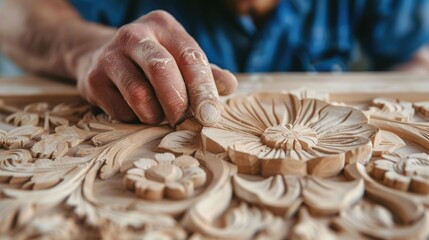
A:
x,y
361,172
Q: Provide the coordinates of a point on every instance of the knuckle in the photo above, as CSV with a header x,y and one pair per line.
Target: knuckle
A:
x,y
160,66
161,18
127,33
193,56
107,58
148,46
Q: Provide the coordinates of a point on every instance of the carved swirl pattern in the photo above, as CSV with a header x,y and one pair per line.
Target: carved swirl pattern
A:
x,y
264,172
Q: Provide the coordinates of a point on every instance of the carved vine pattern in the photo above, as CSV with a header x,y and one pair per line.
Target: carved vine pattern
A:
x,y
276,166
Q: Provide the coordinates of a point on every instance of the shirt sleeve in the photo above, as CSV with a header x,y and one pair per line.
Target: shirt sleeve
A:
x,y
391,31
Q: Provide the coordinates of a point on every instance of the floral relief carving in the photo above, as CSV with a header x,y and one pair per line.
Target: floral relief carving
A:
x,y
267,133
19,137
276,166
59,115
409,173
165,176
422,108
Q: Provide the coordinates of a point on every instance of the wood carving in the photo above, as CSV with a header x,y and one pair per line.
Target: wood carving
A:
x,y
280,134
276,166
422,108
392,109
165,176
325,197
406,174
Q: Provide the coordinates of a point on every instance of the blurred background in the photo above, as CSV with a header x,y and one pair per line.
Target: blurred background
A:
x,y
359,62
7,68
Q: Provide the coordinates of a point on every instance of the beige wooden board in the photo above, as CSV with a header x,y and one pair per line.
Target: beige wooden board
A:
x,y
346,157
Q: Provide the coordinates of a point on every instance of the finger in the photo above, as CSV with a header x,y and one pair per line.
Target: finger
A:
x,y
197,74
136,89
114,104
101,92
164,75
226,82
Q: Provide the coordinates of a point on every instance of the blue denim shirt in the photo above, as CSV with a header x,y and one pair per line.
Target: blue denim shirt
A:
x,y
299,35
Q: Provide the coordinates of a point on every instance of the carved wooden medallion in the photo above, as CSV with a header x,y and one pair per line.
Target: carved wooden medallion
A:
x,y
276,166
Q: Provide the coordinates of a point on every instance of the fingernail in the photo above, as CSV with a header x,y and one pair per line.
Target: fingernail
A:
x,y
208,114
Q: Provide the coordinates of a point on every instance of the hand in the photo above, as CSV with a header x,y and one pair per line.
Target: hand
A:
x,y
153,68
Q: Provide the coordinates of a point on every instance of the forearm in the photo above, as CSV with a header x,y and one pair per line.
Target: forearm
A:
x,y
48,37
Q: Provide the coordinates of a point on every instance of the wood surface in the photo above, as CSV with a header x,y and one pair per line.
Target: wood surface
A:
x,y
333,160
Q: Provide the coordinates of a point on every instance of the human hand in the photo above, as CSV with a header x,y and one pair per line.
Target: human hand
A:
x,y
153,68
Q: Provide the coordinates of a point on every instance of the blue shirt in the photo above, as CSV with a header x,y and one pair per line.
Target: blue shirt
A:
x,y
299,35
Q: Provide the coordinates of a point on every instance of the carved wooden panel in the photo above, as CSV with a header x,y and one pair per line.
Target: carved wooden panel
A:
x,y
276,166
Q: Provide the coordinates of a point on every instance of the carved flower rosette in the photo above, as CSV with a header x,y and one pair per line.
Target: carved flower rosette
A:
x,y
275,133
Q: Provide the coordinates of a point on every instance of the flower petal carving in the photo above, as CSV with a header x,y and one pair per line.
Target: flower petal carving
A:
x,y
409,173
181,142
165,176
326,197
264,132
280,194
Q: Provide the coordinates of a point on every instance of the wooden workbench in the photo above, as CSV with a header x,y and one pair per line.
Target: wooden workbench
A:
x,y
367,84
360,166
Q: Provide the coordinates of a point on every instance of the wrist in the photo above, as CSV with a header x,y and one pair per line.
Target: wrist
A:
x,y
91,37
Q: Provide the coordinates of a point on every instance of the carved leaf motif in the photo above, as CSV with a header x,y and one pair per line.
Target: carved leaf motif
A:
x,y
181,142
386,142
18,137
422,108
280,194
14,214
405,174
165,232
392,109
18,167
264,132
122,217
165,176
407,209
60,115
303,93
190,124
415,132
117,151
376,221
57,145
104,123
326,197
309,228
50,227
240,222
23,119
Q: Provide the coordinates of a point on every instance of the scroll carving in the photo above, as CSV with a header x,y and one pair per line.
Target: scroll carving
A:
x,y
277,166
